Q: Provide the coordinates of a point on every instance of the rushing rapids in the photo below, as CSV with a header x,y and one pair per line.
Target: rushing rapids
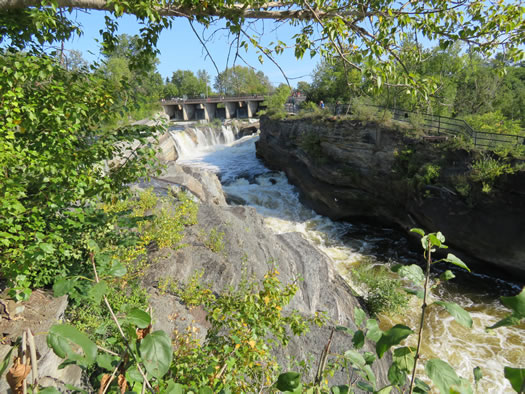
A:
x,y
247,181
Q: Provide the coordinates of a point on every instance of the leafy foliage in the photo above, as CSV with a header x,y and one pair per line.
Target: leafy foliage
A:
x,y
384,292
57,160
240,80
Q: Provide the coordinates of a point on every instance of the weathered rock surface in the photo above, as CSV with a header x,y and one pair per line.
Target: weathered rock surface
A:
x,y
346,169
39,314
251,249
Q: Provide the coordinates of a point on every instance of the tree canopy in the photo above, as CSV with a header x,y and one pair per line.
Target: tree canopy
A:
x,y
368,36
240,80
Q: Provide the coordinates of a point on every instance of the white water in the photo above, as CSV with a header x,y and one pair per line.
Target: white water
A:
x,y
246,179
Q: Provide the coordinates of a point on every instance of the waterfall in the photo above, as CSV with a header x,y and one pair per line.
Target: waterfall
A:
x,y
195,138
246,180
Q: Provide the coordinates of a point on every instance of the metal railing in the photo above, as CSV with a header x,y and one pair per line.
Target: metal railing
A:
x,y
444,125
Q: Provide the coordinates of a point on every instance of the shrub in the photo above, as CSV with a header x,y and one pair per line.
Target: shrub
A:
x,y
494,122
384,292
215,241
487,169
362,109
57,162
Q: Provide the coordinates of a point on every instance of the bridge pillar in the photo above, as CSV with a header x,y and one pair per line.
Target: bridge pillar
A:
x,y
210,110
253,107
230,109
188,111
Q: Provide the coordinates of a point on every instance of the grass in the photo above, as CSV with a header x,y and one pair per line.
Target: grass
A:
x,y
384,291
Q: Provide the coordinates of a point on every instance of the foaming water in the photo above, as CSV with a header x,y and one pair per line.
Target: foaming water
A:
x,y
247,181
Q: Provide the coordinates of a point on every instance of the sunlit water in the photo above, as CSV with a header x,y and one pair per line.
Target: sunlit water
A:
x,y
247,181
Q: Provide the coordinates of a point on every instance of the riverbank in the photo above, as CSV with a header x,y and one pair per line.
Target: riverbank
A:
x,y
349,168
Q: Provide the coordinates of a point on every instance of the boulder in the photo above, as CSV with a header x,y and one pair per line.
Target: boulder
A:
x,y
245,131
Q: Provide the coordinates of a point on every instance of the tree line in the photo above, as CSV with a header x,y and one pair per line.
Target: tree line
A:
x,y
488,92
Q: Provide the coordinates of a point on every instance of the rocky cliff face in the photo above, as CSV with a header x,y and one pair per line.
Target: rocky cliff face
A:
x,y
350,168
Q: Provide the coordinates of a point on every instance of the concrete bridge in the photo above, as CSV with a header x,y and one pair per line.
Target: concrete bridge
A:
x,y
222,107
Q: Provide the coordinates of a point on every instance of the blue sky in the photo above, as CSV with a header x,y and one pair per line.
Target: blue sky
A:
x,y
180,48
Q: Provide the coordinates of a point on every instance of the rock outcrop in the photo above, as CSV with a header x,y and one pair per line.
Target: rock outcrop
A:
x,y
250,249
351,168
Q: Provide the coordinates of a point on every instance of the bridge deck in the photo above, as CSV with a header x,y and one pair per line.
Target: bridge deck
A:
x,y
212,99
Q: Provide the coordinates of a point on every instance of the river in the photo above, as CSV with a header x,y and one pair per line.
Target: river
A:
x,y
247,181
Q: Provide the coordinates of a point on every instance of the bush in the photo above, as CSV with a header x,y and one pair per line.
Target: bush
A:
x,y
494,122
384,292
487,169
362,109
309,108
57,162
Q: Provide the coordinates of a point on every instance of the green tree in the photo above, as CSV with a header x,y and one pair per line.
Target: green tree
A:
x,y
331,82
139,86
187,83
74,61
57,161
240,80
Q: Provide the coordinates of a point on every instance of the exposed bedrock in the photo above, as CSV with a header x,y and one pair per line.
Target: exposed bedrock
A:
x,y
250,250
346,169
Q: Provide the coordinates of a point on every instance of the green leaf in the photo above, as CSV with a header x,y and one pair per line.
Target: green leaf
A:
x,y
366,386
359,316
48,248
174,388
359,339
344,329
412,272
288,381
404,358
447,275
107,361
418,231
156,351
516,377
369,358
341,389
118,270
421,387
391,338
59,337
417,292
138,317
396,376
92,246
205,390
6,361
373,331
63,286
456,261
133,375
385,390
49,390
516,303
477,374
459,314
355,358
97,291
442,375
435,240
